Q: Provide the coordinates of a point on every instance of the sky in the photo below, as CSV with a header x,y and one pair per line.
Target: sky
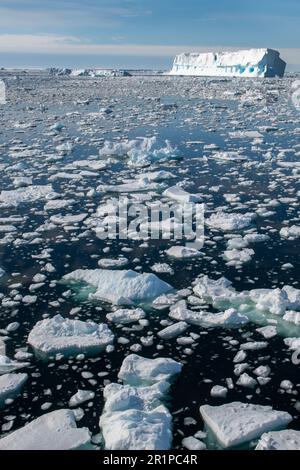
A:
x,y
141,33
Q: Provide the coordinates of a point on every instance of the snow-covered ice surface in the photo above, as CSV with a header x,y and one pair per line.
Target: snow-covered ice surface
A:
x,y
228,312
52,431
243,63
237,423
134,416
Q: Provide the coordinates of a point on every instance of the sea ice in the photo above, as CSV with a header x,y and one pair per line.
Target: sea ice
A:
x,y
119,287
69,337
10,386
288,439
52,431
237,423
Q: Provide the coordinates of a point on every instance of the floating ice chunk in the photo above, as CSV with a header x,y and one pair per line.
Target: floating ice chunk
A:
x,y
134,418
10,386
183,252
191,443
293,343
262,371
291,233
287,439
228,156
246,381
245,134
218,391
162,268
138,371
230,318
112,263
268,331
230,222
173,330
141,151
256,237
80,397
8,365
237,423
253,345
239,256
67,219
126,315
159,175
69,337
52,431
180,195
273,300
120,287
28,194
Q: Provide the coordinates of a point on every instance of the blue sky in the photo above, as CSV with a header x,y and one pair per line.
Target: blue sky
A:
x,y
141,33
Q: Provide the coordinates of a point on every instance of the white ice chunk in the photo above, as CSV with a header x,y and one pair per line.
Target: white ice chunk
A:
x,y
287,439
69,337
237,423
10,386
120,287
52,431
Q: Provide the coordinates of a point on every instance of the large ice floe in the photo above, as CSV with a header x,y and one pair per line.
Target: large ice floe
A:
x,y
119,287
139,152
262,306
244,63
52,431
288,439
234,424
134,416
10,386
58,335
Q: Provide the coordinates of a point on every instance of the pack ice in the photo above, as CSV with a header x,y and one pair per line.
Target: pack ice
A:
x,y
119,287
243,63
134,416
52,431
69,337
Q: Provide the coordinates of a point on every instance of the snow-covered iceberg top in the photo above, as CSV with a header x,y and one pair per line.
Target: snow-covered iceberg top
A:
x,y
124,287
53,431
134,416
236,423
287,439
244,63
69,337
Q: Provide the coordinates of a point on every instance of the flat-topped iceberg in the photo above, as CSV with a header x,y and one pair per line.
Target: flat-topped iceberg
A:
x,y
53,431
243,63
237,423
134,416
119,287
69,337
288,439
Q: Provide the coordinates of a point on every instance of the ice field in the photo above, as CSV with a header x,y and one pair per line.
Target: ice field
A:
x,y
142,343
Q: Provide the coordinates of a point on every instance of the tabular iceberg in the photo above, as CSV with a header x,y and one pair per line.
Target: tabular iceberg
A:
x,y
244,63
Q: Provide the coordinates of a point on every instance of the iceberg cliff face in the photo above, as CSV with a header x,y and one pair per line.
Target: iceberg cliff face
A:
x,y
245,63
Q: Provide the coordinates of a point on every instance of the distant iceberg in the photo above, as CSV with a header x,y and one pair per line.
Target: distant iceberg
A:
x,y
244,63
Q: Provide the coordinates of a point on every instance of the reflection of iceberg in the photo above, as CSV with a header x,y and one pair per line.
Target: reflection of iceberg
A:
x,y
245,63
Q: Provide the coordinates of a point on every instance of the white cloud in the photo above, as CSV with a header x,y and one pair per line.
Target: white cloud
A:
x,y
71,45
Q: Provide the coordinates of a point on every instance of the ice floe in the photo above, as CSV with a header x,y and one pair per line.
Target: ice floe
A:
x,y
58,335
